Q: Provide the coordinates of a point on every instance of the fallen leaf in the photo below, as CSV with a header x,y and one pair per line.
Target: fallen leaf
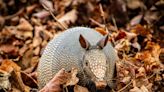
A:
x,y
17,81
42,14
23,50
136,20
73,80
31,8
4,80
140,30
36,51
9,49
9,66
54,85
120,35
144,89
135,89
14,70
28,80
78,88
26,59
101,30
126,80
134,4
69,17
142,72
151,17
24,25
47,4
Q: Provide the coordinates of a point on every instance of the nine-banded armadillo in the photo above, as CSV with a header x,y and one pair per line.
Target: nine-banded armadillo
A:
x,y
82,48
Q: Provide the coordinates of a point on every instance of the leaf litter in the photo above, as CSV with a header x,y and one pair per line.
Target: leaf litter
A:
x,y
26,28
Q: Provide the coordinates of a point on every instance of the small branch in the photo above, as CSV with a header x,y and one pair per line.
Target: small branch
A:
x,y
102,13
51,12
125,86
95,22
14,15
150,76
103,17
114,22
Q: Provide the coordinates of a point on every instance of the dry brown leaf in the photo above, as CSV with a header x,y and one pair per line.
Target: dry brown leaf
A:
x,y
144,89
44,43
47,4
36,51
34,61
17,81
150,56
28,80
9,66
2,22
78,88
69,17
73,80
151,17
4,80
42,14
18,34
36,21
9,49
33,65
124,45
120,35
136,20
23,50
130,35
36,41
140,30
126,80
14,70
54,85
31,8
134,4
26,59
24,25
135,89
154,48
101,30
142,72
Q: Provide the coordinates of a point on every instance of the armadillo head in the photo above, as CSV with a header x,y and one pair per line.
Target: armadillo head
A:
x,y
94,59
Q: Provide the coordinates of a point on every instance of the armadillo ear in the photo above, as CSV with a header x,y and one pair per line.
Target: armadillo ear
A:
x,y
102,43
83,42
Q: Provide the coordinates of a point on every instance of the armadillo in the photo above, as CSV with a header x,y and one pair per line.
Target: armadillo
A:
x,y
82,48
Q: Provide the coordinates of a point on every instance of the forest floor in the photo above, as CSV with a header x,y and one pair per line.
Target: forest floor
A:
x,y
135,27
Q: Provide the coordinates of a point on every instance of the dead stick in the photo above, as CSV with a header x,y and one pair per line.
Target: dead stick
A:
x,y
50,11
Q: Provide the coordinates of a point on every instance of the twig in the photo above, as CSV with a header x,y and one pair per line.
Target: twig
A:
x,y
97,23
114,22
50,11
103,17
150,76
102,13
14,15
125,86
